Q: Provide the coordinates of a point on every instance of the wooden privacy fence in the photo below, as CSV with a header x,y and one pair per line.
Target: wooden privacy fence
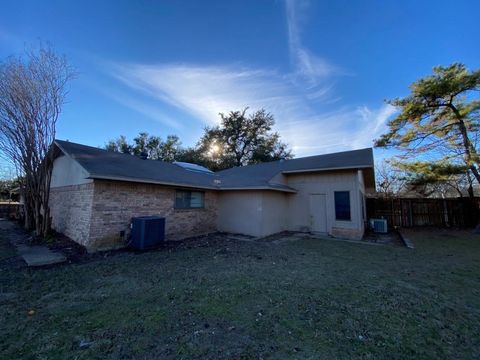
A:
x,y
411,212
10,210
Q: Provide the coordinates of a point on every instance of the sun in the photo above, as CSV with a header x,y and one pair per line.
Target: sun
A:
x,y
214,149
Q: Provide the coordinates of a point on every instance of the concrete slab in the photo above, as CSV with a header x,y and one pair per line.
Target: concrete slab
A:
x,y
292,237
241,238
363,242
408,243
39,255
284,239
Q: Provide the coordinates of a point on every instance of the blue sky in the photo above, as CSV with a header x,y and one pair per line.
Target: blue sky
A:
x,y
323,68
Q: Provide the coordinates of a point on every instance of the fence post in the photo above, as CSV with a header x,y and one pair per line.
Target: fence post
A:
x,y
445,213
410,213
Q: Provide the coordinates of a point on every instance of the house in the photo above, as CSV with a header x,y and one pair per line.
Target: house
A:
x,y
95,193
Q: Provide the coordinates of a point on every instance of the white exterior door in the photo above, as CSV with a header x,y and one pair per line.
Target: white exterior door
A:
x,y
318,212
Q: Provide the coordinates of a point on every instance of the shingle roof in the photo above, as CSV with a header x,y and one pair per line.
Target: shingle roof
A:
x,y
102,164
348,159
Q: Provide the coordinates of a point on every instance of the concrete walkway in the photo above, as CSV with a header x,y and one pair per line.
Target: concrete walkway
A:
x,y
32,255
39,255
408,243
296,236
322,237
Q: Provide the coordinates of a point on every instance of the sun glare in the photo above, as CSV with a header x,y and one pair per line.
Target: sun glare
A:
x,y
214,149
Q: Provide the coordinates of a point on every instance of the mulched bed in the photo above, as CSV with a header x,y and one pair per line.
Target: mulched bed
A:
x,y
76,253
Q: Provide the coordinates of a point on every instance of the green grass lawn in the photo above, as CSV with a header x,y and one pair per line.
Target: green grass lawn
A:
x,y
240,300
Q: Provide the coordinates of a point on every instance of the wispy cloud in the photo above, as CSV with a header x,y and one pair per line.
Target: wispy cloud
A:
x,y
154,112
298,99
373,123
308,66
206,91
345,128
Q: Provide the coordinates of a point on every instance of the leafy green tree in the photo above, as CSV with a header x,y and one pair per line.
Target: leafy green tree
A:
x,y
439,120
437,177
242,139
194,156
152,146
239,140
170,148
119,145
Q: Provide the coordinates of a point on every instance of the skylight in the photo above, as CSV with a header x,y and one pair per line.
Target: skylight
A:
x,y
193,167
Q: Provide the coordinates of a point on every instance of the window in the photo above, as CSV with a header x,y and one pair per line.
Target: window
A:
x,y
342,205
189,199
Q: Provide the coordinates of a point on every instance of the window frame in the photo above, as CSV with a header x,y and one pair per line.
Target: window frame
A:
x,y
349,205
190,192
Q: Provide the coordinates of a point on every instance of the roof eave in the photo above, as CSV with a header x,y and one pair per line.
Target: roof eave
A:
x,y
147,181
244,188
327,169
220,188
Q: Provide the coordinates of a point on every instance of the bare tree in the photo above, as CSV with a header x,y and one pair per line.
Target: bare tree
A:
x,y
33,88
390,180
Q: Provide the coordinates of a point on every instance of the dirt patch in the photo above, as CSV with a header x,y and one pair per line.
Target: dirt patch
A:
x,y
390,238
76,253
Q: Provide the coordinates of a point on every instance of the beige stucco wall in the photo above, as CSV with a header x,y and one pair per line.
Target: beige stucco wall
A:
x,y
67,171
361,183
274,212
255,213
363,204
240,212
261,213
325,183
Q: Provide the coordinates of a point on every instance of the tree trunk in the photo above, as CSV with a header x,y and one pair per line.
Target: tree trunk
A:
x,y
38,220
467,144
469,152
28,216
471,194
46,208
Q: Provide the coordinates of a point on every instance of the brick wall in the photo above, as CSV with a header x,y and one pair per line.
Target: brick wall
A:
x,y
94,214
71,209
115,203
